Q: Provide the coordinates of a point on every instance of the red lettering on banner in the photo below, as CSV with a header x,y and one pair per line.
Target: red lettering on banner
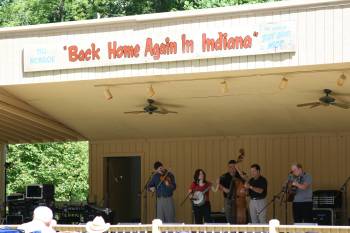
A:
x,y
126,51
187,45
74,54
167,47
155,50
224,43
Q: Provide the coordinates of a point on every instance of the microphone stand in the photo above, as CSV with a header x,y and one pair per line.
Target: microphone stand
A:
x,y
273,202
144,195
6,166
344,190
284,198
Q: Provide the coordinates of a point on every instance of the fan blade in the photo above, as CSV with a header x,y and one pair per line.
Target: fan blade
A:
x,y
308,104
134,112
343,100
171,112
340,94
344,106
160,112
165,112
318,104
167,105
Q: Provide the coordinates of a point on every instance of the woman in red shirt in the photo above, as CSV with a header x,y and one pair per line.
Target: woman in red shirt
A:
x,y
199,194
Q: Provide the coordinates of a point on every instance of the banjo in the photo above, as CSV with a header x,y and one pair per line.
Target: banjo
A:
x,y
198,197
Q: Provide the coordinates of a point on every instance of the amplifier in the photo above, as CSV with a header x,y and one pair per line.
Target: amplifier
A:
x,y
17,207
40,191
323,216
14,219
15,197
327,199
49,191
218,217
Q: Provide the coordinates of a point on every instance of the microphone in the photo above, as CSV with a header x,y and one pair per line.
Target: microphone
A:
x,y
118,179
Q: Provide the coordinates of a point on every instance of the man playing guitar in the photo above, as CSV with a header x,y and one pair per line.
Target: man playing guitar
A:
x,y
302,203
199,194
163,184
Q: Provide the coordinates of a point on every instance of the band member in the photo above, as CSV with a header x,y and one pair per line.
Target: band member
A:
x,y
200,188
302,203
257,190
163,184
227,185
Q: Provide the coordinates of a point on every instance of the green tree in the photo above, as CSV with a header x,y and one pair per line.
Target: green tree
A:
x,y
63,164
28,12
200,4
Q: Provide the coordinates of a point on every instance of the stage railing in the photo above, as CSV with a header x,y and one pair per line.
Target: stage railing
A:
x,y
158,227
127,228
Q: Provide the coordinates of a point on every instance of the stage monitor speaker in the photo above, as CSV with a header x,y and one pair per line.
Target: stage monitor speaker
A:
x,y
323,216
40,191
218,217
15,197
14,219
48,191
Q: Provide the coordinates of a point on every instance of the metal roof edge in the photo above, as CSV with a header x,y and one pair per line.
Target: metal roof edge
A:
x,y
241,9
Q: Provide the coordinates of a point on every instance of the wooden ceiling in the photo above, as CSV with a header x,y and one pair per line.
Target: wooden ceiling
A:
x,y
253,105
22,123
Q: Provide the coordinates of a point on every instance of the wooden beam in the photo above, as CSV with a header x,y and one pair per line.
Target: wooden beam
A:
x,y
14,101
8,137
39,119
18,131
3,141
36,126
13,123
15,135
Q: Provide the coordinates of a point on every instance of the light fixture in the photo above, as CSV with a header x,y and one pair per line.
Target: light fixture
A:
x,y
283,83
108,94
341,80
224,87
151,91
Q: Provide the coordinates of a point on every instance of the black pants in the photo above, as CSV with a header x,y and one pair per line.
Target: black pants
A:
x,y
302,212
202,212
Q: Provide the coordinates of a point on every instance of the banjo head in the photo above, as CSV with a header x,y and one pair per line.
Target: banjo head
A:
x,y
198,198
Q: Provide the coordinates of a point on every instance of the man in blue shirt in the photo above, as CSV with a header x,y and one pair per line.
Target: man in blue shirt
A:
x,y
163,184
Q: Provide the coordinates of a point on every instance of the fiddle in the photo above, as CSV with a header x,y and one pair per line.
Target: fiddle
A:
x,y
165,178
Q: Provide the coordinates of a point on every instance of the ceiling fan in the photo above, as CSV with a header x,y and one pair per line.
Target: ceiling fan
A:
x,y
154,107
326,101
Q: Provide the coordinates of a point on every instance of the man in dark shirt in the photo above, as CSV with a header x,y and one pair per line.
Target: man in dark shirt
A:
x,y
257,188
227,185
163,184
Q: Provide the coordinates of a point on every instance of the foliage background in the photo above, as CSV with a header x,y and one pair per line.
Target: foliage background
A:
x,y
63,164
27,12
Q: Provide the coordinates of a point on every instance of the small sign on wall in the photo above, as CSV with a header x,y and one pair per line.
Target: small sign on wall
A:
x,y
139,47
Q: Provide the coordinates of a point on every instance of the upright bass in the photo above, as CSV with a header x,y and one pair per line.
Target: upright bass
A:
x,y
239,195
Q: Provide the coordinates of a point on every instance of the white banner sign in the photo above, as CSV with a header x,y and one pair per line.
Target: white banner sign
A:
x,y
138,47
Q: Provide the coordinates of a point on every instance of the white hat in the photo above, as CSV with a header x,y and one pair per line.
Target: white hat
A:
x,y
43,214
97,225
